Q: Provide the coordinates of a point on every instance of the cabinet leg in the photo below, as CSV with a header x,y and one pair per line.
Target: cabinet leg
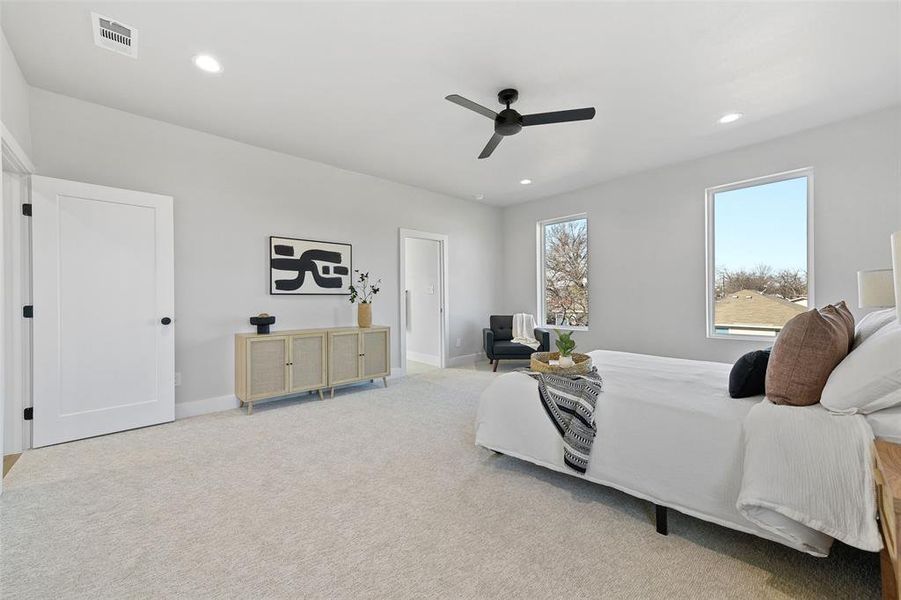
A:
x,y
385,381
242,404
250,408
320,394
333,392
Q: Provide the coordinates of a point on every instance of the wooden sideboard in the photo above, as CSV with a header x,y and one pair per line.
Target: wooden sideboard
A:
x,y
285,363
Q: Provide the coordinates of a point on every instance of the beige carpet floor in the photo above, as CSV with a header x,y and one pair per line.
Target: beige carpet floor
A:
x,y
378,493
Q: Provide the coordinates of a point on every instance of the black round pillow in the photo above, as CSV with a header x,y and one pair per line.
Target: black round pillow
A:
x,y
748,376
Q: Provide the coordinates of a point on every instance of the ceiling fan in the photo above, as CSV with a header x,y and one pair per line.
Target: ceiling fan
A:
x,y
509,122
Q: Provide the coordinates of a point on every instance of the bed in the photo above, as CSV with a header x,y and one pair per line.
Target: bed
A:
x,y
667,432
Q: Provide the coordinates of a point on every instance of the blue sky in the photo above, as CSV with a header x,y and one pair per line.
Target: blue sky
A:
x,y
764,224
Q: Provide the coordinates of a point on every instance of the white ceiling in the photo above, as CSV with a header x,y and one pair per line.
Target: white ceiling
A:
x,y
361,86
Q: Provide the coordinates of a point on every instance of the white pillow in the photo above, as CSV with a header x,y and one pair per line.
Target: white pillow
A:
x,y
869,378
872,323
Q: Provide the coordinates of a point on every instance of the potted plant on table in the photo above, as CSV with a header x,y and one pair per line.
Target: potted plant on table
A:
x,y
565,344
361,293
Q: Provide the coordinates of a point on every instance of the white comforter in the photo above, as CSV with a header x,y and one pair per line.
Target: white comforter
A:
x,y
668,432
812,467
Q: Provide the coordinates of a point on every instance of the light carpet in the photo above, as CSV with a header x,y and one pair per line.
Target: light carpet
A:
x,y
378,493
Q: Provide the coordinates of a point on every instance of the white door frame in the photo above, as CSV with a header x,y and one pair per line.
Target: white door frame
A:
x,y
442,240
15,351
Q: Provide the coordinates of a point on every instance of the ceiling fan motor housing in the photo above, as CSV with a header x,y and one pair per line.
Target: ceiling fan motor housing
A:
x,y
508,122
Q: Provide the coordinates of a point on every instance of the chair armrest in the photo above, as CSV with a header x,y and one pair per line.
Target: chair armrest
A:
x,y
543,336
488,342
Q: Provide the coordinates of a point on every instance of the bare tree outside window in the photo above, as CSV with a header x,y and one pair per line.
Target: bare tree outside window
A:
x,y
565,273
788,284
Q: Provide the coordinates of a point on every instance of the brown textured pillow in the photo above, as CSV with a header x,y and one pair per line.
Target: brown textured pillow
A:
x,y
806,350
848,319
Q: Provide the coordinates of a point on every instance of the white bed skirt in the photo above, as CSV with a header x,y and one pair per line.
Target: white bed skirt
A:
x,y
668,432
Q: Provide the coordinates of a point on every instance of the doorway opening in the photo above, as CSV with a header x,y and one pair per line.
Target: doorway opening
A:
x,y
15,273
423,301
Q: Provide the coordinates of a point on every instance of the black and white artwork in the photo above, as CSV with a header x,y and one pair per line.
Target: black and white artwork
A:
x,y
308,267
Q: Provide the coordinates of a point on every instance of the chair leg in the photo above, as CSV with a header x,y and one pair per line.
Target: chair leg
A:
x,y
496,362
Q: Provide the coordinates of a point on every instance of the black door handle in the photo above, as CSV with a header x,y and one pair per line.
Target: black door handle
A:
x,y
165,320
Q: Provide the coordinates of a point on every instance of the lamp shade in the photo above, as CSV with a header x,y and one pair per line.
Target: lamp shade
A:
x,y
896,261
875,289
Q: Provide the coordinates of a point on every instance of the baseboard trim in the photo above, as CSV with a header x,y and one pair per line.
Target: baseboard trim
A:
x,y
428,359
203,406
194,408
466,360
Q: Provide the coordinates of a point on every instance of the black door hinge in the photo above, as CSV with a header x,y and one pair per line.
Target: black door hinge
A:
x,y
29,413
26,209
28,312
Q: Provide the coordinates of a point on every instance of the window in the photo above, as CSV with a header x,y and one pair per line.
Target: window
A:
x,y
563,272
759,254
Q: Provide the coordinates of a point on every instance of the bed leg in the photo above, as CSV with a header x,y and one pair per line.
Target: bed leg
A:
x,y
660,518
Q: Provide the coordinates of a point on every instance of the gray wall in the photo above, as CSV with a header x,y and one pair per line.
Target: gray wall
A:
x,y
14,109
229,197
647,234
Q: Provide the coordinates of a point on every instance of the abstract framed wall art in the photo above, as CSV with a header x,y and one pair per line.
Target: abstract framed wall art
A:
x,y
309,267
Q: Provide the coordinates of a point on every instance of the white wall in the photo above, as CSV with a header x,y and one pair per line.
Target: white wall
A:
x,y
14,101
647,234
423,280
229,197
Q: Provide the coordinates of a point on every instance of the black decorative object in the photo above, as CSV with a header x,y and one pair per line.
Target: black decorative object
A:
x,y
262,321
748,375
300,267
509,122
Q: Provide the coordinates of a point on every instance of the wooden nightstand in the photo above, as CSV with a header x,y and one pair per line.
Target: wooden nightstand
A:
x,y
888,494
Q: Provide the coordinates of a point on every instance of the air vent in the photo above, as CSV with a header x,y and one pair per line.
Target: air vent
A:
x,y
115,36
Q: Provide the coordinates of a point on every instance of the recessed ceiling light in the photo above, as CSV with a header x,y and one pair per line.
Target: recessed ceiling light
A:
x,y
525,181
730,117
479,196
207,63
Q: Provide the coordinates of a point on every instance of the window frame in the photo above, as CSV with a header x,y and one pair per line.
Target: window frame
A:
x,y
710,225
539,230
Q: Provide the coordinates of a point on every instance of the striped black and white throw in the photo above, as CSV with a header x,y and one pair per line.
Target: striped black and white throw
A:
x,y
570,404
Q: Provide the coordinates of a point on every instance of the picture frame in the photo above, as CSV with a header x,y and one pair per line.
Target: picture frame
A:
x,y
305,267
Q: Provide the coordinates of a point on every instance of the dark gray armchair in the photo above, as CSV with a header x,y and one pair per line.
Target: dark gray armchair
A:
x,y
498,344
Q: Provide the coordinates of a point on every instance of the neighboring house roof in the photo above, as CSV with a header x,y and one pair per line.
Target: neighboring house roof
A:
x,y
749,308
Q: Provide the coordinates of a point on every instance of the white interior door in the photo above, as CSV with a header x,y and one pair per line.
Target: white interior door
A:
x,y
103,289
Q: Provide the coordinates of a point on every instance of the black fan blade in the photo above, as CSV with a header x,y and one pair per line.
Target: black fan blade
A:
x,y
471,106
491,145
560,116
